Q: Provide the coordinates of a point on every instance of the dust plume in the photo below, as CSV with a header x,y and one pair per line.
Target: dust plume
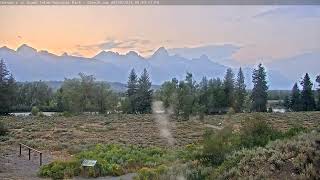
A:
x,y
162,120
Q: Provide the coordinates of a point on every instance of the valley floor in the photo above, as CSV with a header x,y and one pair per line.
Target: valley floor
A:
x,y
60,137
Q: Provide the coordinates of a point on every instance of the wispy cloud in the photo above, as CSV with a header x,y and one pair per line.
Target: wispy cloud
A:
x,y
292,12
111,43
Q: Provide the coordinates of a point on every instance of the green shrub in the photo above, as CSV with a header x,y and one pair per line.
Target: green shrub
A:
x,y
60,169
294,131
66,114
253,133
112,160
295,158
35,110
3,129
217,145
146,174
256,132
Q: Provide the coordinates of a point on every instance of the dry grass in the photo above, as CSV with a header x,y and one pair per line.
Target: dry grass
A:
x,y
73,134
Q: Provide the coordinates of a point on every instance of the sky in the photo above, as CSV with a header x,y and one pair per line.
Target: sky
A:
x,y
262,33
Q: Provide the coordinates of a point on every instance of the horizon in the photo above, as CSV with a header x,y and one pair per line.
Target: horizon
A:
x,y
204,40
258,33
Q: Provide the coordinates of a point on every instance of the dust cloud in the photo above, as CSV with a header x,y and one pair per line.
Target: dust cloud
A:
x,y
162,120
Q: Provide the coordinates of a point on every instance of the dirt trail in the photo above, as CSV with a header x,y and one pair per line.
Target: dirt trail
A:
x,y
213,126
15,167
123,177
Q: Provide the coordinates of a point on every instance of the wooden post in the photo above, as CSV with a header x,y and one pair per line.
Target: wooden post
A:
x,y
40,159
20,150
29,153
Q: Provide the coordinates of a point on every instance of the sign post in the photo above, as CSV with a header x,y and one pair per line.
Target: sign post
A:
x,y
88,163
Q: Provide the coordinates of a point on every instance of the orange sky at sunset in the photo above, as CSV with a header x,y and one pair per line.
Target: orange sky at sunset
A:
x,y
86,30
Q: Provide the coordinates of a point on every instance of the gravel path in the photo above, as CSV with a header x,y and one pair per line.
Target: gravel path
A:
x,y
15,167
123,177
213,126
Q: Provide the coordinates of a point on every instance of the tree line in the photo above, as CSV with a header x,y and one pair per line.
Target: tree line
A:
x,y
181,97
214,96
305,99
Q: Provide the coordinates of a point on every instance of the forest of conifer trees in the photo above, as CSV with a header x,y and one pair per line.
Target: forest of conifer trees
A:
x,y
184,98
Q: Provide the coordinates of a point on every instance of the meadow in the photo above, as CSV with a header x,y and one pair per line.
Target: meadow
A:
x,y
124,143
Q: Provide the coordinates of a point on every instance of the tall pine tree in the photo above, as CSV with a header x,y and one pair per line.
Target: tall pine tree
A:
x,y
144,93
259,92
7,89
203,96
229,87
307,96
240,92
132,92
295,99
318,90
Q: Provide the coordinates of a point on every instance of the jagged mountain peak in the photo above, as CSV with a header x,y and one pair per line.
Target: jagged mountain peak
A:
x,y
205,57
161,52
5,48
104,54
65,54
26,49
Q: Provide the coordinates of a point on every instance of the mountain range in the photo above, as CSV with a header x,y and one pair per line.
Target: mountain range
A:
x,y
29,64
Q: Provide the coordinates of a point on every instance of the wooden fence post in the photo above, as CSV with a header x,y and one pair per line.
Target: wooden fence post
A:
x,y
29,153
40,159
20,150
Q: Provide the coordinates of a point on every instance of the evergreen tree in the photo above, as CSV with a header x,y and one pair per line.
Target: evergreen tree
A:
x,y
131,92
144,93
259,93
240,92
295,100
307,96
318,90
12,91
203,96
216,97
286,102
59,100
7,89
229,87
186,97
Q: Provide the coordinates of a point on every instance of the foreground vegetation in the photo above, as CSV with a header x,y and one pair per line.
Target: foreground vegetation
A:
x,y
217,154
128,143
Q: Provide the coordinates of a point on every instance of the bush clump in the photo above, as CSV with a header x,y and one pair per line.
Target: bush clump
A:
x,y
60,169
3,129
296,158
35,111
112,160
255,132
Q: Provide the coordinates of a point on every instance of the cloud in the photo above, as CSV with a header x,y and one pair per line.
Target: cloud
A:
x,y
76,54
292,12
111,43
221,54
213,51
